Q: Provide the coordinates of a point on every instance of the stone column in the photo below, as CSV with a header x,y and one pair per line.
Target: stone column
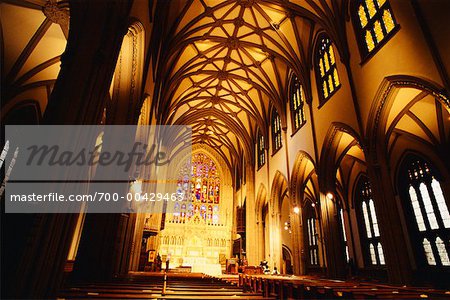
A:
x,y
391,232
250,222
96,32
298,243
335,257
137,242
105,244
78,97
275,238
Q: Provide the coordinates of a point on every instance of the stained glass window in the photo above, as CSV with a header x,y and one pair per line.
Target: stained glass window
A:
x,y
200,191
368,217
276,130
428,211
297,100
376,22
312,235
327,75
261,150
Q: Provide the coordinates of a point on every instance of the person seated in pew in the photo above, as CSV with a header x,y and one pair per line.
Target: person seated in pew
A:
x,y
275,271
264,265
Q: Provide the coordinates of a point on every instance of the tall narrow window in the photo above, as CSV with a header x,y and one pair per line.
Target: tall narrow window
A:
x,y
427,211
311,235
376,23
276,130
261,150
344,234
297,100
370,240
328,78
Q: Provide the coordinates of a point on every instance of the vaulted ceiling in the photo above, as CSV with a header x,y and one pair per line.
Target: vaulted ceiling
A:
x,y
34,34
225,64
222,65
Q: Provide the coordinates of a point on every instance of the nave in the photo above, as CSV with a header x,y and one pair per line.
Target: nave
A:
x,y
319,138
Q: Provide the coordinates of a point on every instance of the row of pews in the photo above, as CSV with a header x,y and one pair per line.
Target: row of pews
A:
x,y
150,288
146,285
308,287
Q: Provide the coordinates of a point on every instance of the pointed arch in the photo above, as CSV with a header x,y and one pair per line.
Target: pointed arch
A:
x,y
341,141
304,171
26,112
261,200
279,189
398,97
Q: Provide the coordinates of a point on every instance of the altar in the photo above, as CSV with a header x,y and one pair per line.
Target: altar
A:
x,y
197,231
209,269
200,247
202,265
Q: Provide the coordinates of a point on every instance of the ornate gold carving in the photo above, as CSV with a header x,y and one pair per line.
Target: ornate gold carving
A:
x,y
55,13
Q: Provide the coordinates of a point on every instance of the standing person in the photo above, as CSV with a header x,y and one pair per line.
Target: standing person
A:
x,y
167,262
158,263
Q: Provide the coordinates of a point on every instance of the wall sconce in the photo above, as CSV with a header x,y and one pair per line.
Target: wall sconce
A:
x,y
330,196
296,210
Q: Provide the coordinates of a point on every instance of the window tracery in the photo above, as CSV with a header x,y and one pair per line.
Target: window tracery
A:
x,y
368,218
297,102
428,211
276,131
376,23
328,78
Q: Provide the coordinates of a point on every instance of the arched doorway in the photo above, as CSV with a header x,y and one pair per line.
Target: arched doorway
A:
x,y
287,261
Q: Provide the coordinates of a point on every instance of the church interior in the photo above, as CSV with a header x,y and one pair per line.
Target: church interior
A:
x,y
320,160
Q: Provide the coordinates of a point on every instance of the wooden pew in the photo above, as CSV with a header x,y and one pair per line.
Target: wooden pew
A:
x,y
307,287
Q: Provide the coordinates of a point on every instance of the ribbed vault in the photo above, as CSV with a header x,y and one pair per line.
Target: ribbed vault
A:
x,y
227,63
32,39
